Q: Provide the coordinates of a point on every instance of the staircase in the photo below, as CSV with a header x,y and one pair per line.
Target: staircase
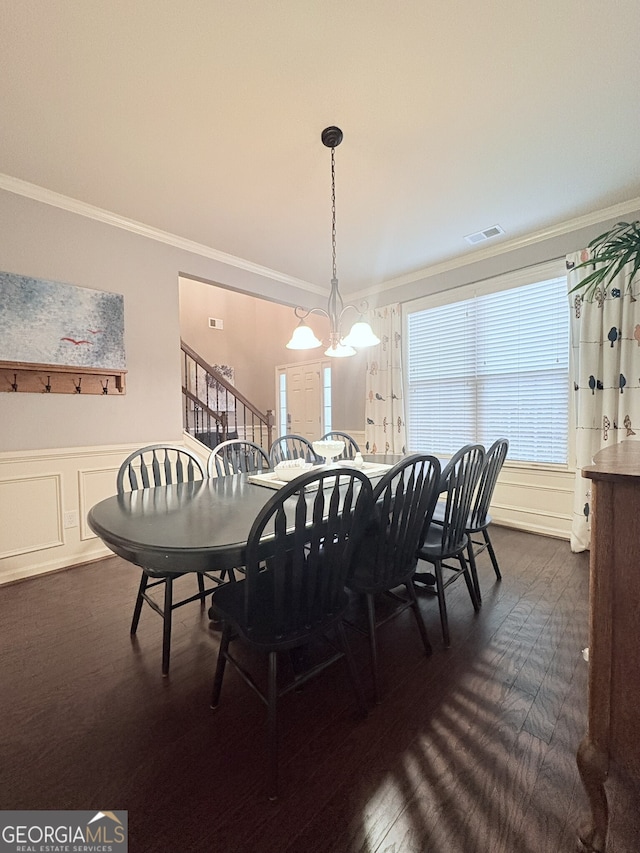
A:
x,y
214,411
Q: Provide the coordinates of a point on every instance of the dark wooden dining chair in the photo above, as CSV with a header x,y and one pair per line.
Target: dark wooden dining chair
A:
x,y
479,519
237,457
350,444
297,556
291,446
447,540
158,465
386,559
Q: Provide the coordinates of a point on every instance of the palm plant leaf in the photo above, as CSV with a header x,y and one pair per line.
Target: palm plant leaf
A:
x,y
610,254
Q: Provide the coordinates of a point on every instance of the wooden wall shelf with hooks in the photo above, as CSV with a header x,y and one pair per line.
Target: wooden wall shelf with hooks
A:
x,y
17,376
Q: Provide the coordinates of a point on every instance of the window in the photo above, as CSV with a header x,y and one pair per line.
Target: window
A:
x,y
282,402
492,365
326,398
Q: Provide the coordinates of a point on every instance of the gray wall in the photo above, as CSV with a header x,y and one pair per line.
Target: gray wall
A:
x,y
43,241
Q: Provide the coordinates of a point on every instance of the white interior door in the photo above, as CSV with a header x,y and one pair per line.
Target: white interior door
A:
x,y
301,394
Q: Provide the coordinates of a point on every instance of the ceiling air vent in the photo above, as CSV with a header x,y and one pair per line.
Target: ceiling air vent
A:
x,y
215,323
487,234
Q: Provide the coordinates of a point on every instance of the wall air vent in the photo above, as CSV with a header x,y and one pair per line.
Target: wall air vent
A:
x,y
215,323
487,234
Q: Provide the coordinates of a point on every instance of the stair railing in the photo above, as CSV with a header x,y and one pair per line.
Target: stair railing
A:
x,y
215,411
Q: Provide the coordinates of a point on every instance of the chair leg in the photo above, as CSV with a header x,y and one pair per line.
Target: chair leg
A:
x,y
137,610
444,621
492,554
272,725
469,581
353,672
474,570
201,589
228,574
166,620
373,645
411,591
220,665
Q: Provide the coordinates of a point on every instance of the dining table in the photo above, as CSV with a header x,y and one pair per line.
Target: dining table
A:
x,y
195,526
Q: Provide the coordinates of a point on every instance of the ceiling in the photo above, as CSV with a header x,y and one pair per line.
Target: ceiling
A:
x,y
203,119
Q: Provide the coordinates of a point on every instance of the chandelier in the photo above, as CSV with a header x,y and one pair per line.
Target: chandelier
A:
x,y
361,334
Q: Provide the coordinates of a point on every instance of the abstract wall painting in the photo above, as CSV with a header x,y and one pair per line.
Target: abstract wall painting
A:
x,y
49,322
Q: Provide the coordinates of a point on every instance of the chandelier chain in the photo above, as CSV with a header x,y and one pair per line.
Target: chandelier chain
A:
x,y
333,209
361,335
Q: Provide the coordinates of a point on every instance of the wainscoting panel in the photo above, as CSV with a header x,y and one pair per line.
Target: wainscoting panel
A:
x,y
44,499
94,485
25,531
358,436
535,500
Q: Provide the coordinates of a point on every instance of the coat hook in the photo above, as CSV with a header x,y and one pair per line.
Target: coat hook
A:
x,y
14,384
47,387
105,387
78,386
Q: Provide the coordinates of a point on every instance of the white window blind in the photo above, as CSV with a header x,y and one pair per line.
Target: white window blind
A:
x,y
492,366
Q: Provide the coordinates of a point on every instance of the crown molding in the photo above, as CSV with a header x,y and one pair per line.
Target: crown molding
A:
x,y
37,193
559,230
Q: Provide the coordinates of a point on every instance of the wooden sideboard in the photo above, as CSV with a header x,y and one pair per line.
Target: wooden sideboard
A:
x,y
613,735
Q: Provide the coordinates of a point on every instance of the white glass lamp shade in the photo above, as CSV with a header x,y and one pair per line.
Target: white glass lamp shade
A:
x,y
339,351
361,335
303,338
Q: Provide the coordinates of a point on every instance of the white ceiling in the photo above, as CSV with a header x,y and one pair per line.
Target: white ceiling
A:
x,y
202,118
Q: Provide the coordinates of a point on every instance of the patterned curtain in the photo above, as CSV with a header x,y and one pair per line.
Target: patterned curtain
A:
x,y
605,371
384,404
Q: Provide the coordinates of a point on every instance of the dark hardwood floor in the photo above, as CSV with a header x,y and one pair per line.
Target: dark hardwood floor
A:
x,y
472,749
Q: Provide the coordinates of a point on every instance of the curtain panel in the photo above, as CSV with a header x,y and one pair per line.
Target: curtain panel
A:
x,y
605,375
384,403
